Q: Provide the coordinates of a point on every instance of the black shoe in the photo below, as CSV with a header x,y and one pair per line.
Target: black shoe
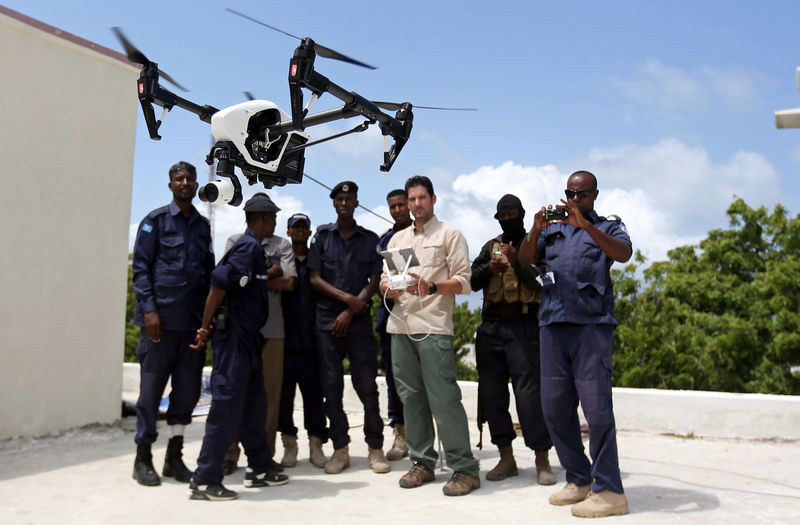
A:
x,y
215,492
228,467
173,462
262,479
143,471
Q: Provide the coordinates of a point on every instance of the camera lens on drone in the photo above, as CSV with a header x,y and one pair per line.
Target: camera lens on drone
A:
x,y
219,191
208,193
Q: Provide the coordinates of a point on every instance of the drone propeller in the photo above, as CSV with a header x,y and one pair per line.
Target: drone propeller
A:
x,y
248,95
137,57
394,106
318,49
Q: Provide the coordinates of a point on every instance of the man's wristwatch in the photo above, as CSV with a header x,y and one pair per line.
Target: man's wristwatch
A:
x,y
433,288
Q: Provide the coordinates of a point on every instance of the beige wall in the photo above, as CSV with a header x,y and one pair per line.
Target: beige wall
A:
x,y
67,138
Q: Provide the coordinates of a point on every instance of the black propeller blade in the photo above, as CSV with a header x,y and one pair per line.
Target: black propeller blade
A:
x,y
248,95
137,57
318,49
394,106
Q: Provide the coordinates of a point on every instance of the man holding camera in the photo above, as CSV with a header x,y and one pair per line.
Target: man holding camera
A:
x,y
423,358
507,344
172,263
577,339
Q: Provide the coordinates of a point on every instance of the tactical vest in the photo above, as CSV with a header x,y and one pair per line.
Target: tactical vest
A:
x,y
507,287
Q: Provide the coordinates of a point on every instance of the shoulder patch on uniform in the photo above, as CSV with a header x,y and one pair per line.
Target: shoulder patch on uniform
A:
x,y
147,227
614,218
243,280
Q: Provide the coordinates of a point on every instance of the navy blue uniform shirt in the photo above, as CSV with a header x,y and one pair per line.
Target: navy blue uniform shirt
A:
x,y
344,264
172,262
582,292
242,274
299,311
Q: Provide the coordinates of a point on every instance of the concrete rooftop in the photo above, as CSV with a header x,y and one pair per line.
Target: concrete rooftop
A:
x,y
84,476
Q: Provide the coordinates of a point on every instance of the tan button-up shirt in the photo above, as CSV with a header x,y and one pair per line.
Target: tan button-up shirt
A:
x,y
443,254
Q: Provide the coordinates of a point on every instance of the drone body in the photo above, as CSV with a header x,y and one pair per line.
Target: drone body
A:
x,y
259,138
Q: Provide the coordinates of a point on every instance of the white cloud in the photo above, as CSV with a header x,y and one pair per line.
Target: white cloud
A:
x,y
669,90
668,194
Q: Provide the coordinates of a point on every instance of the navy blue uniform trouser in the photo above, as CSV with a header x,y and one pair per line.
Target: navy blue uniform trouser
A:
x,y
359,346
509,349
172,357
393,400
576,366
302,369
238,406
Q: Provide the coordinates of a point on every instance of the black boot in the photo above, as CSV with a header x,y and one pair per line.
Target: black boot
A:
x,y
143,470
173,462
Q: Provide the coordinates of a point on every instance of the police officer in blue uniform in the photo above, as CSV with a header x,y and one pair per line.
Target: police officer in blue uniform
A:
x,y
345,271
172,263
236,309
301,358
577,338
398,209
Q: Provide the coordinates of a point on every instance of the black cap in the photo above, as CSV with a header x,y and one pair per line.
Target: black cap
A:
x,y
509,202
345,187
261,204
297,217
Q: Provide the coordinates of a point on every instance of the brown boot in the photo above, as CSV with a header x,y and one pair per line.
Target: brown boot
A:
x,y
315,453
377,461
506,467
543,471
461,484
399,448
415,477
289,450
601,504
571,493
339,461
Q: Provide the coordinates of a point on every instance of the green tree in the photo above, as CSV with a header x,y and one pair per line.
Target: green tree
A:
x,y
465,324
722,315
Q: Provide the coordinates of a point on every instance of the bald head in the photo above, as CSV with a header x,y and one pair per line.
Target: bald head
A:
x,y
582,190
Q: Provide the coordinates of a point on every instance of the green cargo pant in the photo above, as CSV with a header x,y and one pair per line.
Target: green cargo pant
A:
x,y
425,376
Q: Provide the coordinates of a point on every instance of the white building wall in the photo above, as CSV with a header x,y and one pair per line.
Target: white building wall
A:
x,y
68,111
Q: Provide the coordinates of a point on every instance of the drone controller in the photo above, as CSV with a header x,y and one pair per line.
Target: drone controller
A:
x,y
400,282
398,260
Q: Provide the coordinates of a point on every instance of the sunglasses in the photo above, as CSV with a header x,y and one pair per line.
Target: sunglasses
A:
x,y
582,194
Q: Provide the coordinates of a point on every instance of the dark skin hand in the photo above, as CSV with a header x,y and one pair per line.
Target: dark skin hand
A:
x,y
496,265
274,271
356,304
152,325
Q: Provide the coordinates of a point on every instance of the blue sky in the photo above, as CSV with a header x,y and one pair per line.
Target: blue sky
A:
x,y
669,103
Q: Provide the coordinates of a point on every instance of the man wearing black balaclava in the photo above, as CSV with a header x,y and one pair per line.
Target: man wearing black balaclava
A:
x,y
507,344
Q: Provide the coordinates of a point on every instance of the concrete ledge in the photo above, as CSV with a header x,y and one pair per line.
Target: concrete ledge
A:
x,y
684,412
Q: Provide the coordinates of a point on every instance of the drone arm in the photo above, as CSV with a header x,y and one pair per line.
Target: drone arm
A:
x,y
166,98
151,92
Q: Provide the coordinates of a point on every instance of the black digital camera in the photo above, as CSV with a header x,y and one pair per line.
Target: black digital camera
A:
x,y
555,214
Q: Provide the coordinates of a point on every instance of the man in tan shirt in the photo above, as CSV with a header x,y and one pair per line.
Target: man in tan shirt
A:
x,y
423,359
